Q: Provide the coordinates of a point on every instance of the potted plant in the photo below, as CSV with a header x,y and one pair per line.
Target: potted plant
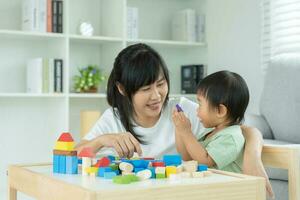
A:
x,y
88,79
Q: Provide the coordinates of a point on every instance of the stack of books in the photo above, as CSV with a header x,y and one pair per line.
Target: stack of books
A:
x,y
44,75
42,15
132,23
188,26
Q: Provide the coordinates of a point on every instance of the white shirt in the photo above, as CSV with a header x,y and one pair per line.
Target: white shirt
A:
x,y
160,138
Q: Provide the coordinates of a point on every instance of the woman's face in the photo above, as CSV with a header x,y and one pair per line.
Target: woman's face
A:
x,y
148,100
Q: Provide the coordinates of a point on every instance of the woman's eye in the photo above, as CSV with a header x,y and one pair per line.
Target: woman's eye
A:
x,y
145,89
160,84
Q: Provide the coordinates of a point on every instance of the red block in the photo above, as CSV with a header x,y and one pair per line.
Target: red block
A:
x,y
103,162
87,152
148,158
158,164
65,137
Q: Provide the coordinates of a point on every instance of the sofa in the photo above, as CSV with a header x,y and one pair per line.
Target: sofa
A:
x,y
279,122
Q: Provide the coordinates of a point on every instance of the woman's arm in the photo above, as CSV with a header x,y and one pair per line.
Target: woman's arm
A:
x,y
252,157
124,143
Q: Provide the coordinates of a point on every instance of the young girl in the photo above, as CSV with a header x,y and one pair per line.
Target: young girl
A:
x,y
223,98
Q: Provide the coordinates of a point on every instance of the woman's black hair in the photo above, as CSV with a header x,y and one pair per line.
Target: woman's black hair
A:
x,y
135,66
227,88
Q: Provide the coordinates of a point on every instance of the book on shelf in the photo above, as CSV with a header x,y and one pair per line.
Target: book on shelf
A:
x,y
132,23
188,26
44,75
42,15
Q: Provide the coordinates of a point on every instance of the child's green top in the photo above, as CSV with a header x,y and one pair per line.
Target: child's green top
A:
x,y
226,148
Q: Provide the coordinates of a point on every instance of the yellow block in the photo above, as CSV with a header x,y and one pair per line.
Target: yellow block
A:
x,y
170,170
66,146
91,170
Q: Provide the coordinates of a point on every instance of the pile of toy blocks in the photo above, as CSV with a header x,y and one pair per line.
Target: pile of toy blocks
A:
x,y
122,171
64,156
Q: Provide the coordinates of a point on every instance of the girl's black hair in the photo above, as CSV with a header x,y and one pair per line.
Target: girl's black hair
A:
x,y
135,66
227,88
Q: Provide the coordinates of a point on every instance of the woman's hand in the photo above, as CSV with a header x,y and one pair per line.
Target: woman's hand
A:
x,y
181,122
125,144
252,164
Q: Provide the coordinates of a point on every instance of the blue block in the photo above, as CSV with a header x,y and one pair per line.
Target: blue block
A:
x,y
202,167
136,170
102,170
140,163
152,169
109,175
111,158
172,159
55,163
71,165
62,164
79,161
117,172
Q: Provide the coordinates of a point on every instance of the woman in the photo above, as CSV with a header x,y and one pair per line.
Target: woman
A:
x,y
139,119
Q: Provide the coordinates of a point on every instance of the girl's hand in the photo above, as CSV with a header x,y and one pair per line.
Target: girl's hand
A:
x,y
181,122
124,144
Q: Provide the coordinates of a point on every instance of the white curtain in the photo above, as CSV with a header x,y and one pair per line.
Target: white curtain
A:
x,y
280,28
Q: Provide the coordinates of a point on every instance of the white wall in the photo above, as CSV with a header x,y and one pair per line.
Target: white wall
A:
x,y
233,37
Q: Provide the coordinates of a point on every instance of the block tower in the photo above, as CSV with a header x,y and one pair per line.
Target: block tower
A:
x,y
64,155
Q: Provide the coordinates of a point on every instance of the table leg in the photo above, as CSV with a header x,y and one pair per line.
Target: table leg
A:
x,y
12,193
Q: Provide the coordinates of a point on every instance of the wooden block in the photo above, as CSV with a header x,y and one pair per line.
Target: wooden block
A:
x,y
157,164
103,162
65,137
109,175
126,167
65,146
170,170
86,162
190,166
87,152
144,174
160,176
69,164
62,164
102,170
91,170
125,179
124,173
66,153
160,170
55,163
171,160
179,168
202,167
197,174
207,173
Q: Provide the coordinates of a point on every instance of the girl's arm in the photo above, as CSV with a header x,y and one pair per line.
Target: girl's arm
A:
x,y
181,147
187,143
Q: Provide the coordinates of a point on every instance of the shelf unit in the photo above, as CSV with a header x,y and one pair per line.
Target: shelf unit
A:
x,y
34,118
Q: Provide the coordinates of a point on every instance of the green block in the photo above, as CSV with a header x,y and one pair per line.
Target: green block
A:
x,y
114,167
125,179
158,176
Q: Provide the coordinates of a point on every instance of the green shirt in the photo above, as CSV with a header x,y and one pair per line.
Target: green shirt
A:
x,y
226,148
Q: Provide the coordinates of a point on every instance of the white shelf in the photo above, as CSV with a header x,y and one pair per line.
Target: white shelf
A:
x,y
29,95
29,35
95,39
170,43
87,95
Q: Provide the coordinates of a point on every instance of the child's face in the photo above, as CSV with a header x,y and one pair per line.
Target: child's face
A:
x,y
148,100
206,114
